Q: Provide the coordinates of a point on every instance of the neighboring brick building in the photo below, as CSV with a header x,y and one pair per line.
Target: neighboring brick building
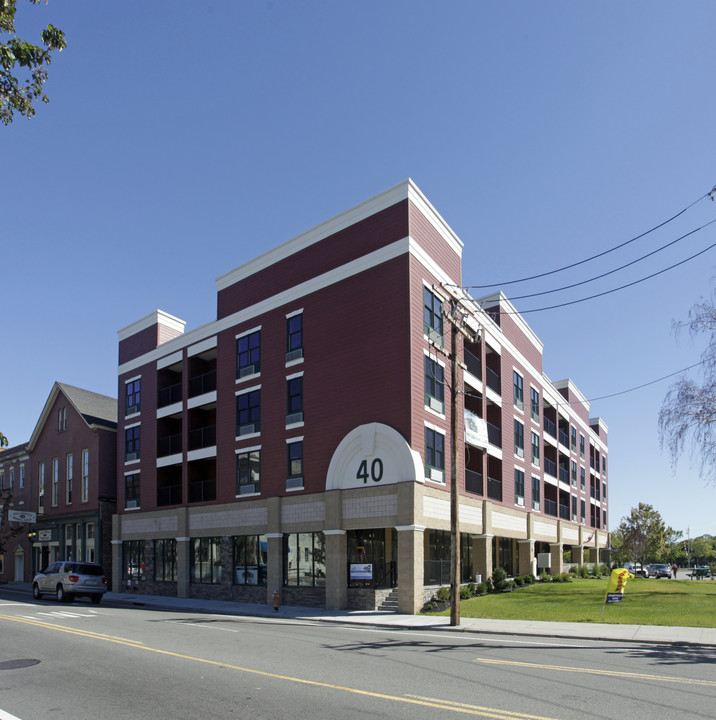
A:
x,y
16,493
73,452
305,433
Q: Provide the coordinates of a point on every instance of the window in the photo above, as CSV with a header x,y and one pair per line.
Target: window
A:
x,y
432,317
434,455
434,385
133,560
22,476
12,478
604,463
248,354
582,479
535,449
131,443
62,419
132,396
55,480
573,474
535,493
574,508
294,337
573,438
519,487
165,560
248,471
534,404
248,412
206,560
517,390
604,492
294,403
304,559
131,491
582,511
90,531
85,475
41,486
70,476
294,477
581,446
250,559
519,439
2,480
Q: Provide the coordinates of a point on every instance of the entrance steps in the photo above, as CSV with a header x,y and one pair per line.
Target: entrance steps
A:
x,y
389,603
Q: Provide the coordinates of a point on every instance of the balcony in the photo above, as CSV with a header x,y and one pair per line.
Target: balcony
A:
x,y
202,491
564,512
550,467
202,437
202,384
564,475
493,381
474,364
169,495
494,435
473,482
564,438
549,427
494,488
169,395
169,445
550,507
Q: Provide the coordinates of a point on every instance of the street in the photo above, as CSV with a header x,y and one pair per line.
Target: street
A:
x,y
79,661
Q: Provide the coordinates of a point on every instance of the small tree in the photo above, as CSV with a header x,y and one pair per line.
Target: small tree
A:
x,y
643,535
8,530
688,413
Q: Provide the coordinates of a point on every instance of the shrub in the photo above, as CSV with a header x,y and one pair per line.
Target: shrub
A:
x,y
499,579
583,571
519,581
489,586
443,593
574,569
471,588
465,593
544,576
529,579
481,589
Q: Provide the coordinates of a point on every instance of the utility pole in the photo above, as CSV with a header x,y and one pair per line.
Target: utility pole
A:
x,y
461,317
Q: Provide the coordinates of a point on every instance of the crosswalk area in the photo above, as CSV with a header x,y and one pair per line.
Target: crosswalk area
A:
x,y
62,614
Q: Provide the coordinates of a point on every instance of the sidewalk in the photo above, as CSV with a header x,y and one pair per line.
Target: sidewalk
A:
x,y
586,631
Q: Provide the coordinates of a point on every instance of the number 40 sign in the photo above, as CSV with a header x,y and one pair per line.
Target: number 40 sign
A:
x,y
372,471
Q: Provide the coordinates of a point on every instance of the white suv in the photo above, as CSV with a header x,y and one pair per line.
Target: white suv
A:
x,y
68,580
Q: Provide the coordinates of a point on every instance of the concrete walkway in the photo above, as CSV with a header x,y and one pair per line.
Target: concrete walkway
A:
x,y
588,631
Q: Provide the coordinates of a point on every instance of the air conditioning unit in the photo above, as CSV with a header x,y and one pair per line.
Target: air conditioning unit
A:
x,y
437,405
294,418
247,489
246,429
293,483
520,501
248,370
131,410
131,456
436,475
294,354
130,504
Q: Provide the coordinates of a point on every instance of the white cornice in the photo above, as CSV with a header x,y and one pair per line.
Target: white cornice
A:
x,y
158,317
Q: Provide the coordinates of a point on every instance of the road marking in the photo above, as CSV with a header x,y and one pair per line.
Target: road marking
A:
x,y
593,671
408,699
6,716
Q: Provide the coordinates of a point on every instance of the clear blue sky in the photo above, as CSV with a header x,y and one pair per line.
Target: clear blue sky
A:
x,y
184,139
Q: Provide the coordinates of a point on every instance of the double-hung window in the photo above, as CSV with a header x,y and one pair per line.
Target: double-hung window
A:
x,y
573,473
85,476
432,317
535,449
535,493
69,477
573,439
248,471
131,490
434,455
519,487
248,412
131,443
518,390
294,337
519,439
132,396
294,403
434,385
55,480
534,404
294,477
248,354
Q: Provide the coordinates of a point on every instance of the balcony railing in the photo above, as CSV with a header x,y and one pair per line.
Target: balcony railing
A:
x,y
202,437
494,435
169,445
474,364
564,512
169,395
473,482
564,438
493,380
202,384
550,467
202,490
494,488
550,507
549,427
169,495
564,475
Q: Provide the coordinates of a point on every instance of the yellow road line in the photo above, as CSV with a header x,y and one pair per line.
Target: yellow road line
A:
x,y
408,699
591,671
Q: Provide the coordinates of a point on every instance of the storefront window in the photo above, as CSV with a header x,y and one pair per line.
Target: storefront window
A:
x,y
250,559
304,559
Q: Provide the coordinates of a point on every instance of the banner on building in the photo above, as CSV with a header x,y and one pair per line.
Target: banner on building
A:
x,y
475,430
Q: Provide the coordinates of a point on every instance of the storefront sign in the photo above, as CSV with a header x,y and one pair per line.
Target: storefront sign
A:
x,y
361,571
21,516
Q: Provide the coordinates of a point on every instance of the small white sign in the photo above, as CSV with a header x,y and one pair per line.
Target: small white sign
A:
x,y
21,516
361,571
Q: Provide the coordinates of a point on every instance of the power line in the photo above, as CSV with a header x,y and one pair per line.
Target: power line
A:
x,y
598,255
611,272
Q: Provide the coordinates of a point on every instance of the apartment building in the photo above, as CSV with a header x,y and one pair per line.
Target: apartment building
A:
x,y
73,455
300,443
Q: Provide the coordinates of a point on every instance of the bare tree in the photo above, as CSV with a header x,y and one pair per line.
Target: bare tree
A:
x,y
688,413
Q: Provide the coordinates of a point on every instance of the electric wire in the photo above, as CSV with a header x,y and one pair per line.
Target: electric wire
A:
x,y
598,255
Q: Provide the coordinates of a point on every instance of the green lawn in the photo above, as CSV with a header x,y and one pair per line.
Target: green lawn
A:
x,y
688,603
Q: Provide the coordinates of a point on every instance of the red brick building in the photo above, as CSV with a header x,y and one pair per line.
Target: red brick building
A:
x,y
301,441
15,495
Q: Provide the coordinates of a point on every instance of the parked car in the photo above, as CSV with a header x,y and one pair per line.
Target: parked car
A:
x,y
635,569
68,580
658,570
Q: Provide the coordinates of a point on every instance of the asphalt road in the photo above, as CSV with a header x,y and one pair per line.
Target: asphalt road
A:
x,y
66,662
